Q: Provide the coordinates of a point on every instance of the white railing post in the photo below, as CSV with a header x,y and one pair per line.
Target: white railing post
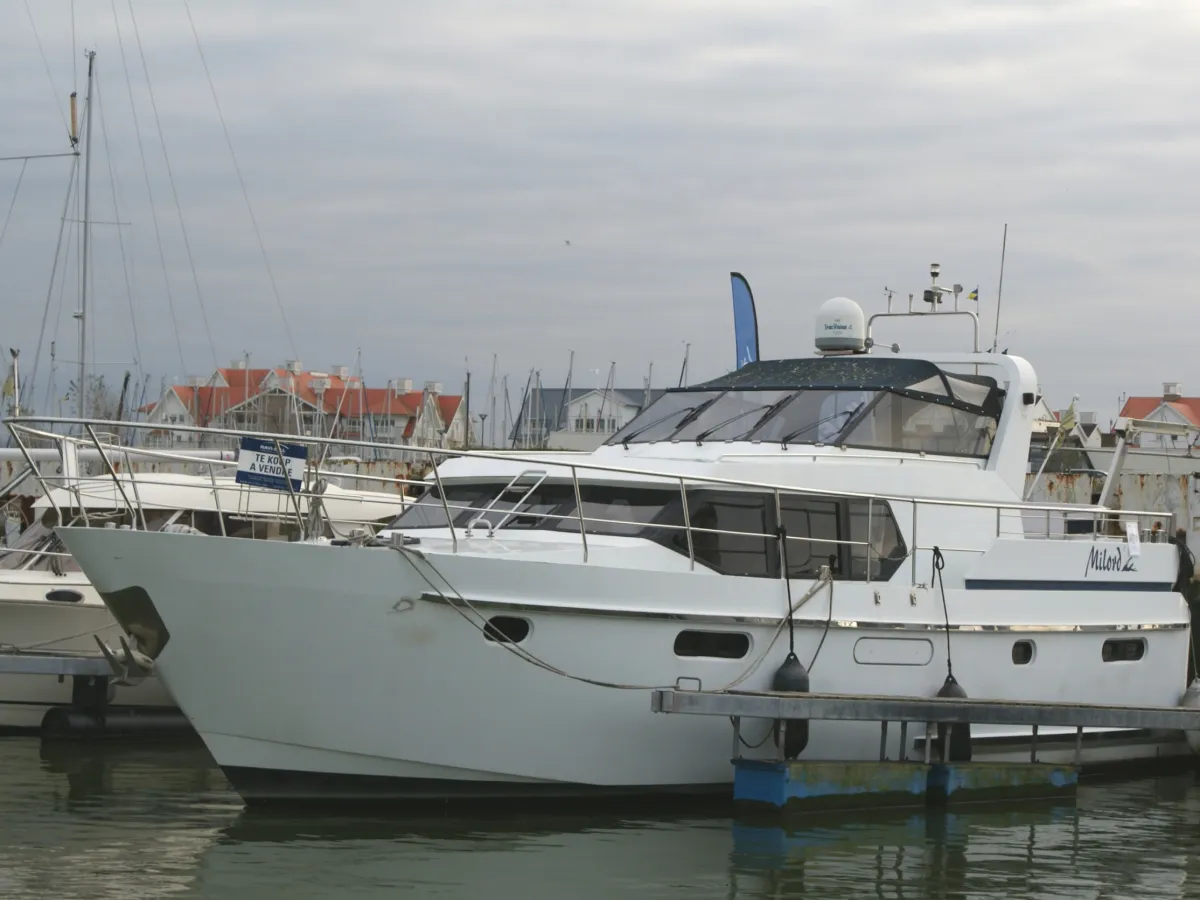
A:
x,y
287,477
216,499
914,541
133,516
687,526
14,430
579,510
870,504
442,493
136,494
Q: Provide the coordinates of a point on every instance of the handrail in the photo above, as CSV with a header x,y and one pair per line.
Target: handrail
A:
x,y
686,482
669,477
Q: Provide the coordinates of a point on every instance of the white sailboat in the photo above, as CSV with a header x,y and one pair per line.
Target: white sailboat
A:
x,y
503,641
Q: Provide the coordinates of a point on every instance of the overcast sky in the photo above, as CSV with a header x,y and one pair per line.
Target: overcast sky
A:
x,y
418,169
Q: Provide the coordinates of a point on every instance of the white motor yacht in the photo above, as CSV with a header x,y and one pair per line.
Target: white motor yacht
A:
x,y
863,506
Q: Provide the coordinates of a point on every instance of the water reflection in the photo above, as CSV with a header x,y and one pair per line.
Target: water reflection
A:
x,y
137,821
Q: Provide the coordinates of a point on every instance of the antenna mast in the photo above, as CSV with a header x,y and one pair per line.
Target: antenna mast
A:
x,y
1000,289
87,203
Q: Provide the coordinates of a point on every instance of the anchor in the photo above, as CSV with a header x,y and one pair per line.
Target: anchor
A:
x,y
129,667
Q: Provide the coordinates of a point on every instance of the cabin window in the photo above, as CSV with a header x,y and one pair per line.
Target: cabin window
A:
x,y
612,509
715,644
462,499
814,528
750,550
516,506
1124,650
871,521
895,422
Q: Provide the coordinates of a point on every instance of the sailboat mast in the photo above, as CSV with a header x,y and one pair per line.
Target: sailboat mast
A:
x,y
87,204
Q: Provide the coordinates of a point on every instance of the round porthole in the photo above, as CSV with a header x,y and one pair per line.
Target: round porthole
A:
x,y
1022,653
506,629
64,596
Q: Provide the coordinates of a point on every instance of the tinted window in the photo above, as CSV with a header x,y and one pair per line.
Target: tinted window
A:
x,y
888,550
614,510
428,512
517,506
719,644
663,416
813,528
1128,650
752,552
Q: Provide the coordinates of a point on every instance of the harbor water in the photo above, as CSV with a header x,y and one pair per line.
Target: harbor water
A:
x,y
149,822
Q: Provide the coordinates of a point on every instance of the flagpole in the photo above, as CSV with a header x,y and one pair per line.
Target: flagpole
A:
x,y
1066,424
1000,289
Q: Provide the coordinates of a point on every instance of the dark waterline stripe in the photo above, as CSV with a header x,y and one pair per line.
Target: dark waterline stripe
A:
x,y
1019,584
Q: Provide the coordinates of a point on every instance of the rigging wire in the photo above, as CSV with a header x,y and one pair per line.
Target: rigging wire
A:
x,y
112,181
149,191
187,245
54,271
16,192
287,328
484,627
46,64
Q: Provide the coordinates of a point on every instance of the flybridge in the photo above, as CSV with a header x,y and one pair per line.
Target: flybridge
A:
x,y
880,403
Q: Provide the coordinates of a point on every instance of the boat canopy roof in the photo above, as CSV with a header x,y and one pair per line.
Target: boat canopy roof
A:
x,y
917,378
879,403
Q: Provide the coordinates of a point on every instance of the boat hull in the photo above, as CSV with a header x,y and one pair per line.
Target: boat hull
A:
x,y
30,621
348,673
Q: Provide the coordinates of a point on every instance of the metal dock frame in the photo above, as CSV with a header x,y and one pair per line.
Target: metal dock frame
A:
x,y
927,710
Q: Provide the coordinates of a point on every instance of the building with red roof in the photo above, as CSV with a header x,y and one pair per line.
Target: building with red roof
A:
x,y
292,400
1171,407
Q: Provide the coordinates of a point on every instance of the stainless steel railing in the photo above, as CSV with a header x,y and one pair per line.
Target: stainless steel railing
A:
x,y
560,466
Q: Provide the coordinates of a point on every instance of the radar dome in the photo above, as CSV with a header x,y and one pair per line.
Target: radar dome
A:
x,y
841,326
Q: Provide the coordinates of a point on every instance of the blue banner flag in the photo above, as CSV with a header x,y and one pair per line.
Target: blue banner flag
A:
x,y
745,320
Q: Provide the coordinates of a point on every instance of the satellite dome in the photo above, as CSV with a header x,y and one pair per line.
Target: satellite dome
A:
x,y
841,326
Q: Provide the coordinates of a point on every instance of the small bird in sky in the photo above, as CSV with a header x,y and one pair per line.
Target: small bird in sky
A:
x,y
568,243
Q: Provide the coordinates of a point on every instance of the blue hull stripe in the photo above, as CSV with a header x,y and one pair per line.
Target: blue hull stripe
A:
x,y
1017,584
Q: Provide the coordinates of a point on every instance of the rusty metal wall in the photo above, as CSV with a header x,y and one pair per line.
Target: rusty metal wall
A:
x,y
1170,493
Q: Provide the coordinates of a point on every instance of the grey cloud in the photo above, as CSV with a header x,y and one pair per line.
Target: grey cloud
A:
x,y
416,169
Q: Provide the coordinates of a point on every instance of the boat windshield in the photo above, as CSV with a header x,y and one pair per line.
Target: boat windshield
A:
x,y
876,403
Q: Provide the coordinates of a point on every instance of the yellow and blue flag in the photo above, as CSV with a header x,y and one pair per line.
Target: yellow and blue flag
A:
x,y
974,295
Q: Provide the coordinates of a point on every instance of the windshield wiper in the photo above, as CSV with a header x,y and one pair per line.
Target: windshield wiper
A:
x,y
849,414
769,407
692,413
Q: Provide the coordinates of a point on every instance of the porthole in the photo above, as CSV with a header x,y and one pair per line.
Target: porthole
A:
x,y
1022,653
506,629
716,644
1124,650
64,596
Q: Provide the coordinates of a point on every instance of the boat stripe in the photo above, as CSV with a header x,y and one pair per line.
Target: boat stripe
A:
x,y
1032,584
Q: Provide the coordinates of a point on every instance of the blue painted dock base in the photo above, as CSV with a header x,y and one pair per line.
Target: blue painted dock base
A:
x,y
990,781
828,785
802,786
